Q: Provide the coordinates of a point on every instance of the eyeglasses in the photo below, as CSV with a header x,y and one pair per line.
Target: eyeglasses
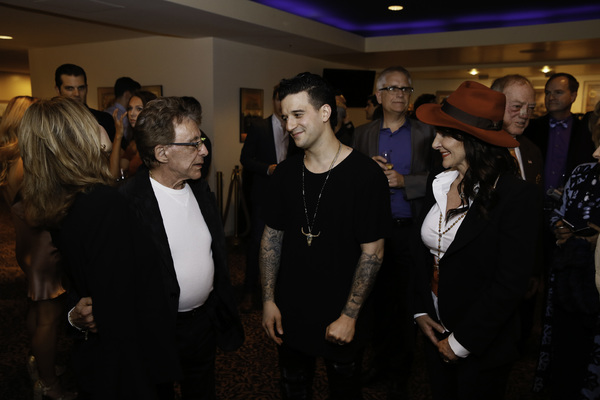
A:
x,y
396,89
198,145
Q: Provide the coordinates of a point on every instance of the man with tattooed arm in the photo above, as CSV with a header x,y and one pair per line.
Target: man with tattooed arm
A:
x,y
326,216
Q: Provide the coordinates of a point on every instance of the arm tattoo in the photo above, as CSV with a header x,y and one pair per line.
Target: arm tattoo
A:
x,y
269,259
362,284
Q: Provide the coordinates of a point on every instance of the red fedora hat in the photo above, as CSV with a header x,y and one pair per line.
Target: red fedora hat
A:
x,y
474,109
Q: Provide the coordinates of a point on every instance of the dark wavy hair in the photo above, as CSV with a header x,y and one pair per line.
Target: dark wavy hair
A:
x,y
318,90
486,164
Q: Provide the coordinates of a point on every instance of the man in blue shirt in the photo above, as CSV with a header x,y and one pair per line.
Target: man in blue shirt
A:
x,y
402,148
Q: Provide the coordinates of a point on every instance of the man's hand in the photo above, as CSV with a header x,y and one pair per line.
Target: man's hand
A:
x,y
81,315
341,331
446,351
562,232
429,327
395,179
272,321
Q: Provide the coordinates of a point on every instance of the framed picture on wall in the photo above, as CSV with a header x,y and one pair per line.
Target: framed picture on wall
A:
x,y
251,108
106,95
591,93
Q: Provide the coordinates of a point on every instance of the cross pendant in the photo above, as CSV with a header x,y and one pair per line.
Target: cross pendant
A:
x,y
309,236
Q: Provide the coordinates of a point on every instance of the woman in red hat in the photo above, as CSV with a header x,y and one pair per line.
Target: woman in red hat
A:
x,y
478,245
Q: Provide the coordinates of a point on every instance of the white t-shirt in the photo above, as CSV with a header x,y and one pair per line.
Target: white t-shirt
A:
x,y
190,243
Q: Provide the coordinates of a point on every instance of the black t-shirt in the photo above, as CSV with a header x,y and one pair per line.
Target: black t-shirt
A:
x,y
314,281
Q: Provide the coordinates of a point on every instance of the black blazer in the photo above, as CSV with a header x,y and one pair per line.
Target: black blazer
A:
x,y
484,274
143,203
533,162
258,153
581,146
101,243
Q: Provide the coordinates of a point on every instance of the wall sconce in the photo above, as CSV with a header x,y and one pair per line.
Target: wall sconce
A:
x,y
474,72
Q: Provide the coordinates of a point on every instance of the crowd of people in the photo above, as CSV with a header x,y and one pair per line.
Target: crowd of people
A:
x,y
442,220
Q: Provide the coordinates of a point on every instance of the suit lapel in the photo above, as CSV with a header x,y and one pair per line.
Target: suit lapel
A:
x,y
148,211
470,228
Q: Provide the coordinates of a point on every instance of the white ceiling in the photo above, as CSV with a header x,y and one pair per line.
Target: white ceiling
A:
x,y
48,23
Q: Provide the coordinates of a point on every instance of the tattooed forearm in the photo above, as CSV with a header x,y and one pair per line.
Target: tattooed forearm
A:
x,y
362,284
269,259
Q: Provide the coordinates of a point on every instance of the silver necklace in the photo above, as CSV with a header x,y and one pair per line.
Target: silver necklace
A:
x,y
309,235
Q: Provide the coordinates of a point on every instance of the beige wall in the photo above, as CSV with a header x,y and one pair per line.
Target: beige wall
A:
x,y
12,85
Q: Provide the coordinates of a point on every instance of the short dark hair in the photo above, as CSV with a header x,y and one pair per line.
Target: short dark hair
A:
x,y
573,84
68,69
126,84
318,90
373,99
156,124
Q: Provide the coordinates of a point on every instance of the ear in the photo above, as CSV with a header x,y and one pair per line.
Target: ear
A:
x,y
325,112
160,153
57,90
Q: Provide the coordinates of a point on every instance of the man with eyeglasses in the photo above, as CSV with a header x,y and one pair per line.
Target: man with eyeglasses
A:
x,y
184,227
402,148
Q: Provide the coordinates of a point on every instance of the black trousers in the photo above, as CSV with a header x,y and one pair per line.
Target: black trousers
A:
x,y
298,370
465,379
395,332
197,346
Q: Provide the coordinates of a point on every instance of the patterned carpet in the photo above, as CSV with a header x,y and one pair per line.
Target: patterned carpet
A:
x,y
246,374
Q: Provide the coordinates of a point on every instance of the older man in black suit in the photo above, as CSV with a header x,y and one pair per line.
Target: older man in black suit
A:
x,y
179,212
520,103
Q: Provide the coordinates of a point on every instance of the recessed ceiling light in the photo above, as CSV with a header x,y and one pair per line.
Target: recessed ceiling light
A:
x,y
474,71
395,8
546,69
5,37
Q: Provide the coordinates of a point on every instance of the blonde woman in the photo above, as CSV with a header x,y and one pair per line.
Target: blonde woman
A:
x,y
68,189
37,257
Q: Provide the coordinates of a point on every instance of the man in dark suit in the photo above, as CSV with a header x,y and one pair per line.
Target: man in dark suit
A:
x,y
408,142
71,81
564,140
179,212
266,145
520,103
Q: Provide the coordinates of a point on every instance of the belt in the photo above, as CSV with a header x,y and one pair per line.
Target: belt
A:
x,y
192,313
401,222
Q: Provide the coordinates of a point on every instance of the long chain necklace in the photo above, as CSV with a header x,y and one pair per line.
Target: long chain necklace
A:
x,y
441,234
310,235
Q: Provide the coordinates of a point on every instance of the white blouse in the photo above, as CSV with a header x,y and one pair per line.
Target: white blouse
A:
x,y
434,224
